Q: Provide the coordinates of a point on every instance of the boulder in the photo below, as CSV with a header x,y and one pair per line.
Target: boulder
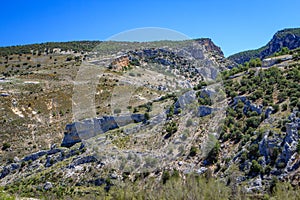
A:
x,y
184,100
9,169
35,156
269,111
204,111
83,160
201,170
48,186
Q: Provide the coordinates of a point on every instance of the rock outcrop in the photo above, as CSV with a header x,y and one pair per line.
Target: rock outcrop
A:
x,y
119,63
291,140
248,105
204,111
89,128
270,147
289,38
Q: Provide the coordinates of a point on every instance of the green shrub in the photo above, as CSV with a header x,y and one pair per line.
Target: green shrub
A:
x,y
165,176
189,122
147,116
284,107
256,167
193,151
5,146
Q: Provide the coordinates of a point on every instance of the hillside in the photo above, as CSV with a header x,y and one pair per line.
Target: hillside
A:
x,y
158,120
289,38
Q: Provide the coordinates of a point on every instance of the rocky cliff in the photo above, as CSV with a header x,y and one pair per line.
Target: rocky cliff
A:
x,y
289,38
88,128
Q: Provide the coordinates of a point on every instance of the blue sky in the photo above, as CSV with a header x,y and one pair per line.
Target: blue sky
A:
x,y
234,25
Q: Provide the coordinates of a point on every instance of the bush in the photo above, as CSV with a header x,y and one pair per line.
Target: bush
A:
x,y
276,108
5,146
284,107
298,147
171,129
253,122
165,177
213,154
147,116
256,167
189,122
193,151
254,150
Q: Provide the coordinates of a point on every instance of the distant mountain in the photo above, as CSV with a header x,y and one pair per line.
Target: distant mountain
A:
x,y
77,46
289,38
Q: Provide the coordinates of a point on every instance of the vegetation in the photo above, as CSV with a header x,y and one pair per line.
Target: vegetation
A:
x,y
76,46
264,51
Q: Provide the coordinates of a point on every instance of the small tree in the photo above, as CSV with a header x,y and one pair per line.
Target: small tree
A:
x,y
193,151
5,146
147,116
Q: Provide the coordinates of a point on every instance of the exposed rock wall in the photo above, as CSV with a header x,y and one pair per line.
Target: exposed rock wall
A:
x,y
88,128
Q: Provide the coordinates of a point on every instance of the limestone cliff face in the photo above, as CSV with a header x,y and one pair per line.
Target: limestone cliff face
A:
x,y
210,46
284,38
289,38
119,63
88,128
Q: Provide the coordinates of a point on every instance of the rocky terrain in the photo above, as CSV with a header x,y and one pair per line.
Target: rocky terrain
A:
x,y
122,120
289,38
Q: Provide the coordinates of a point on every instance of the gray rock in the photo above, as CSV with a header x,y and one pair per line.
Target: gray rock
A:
x,y
16,159
53,151
34,156
269,111
207,91
9,169
114,175
88,128
257,182
83,160
266,145
53,146
48,186
184,100
204,111
248,106
201,170
291,139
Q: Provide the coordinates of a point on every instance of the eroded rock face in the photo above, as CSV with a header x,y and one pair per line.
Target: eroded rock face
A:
x,y
210,46
269,111
204,111
288,147
119,63
88,128
248,106
291,139
34,156
184,100
9,169
83,160
289,38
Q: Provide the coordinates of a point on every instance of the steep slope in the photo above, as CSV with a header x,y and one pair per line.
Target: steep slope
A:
x,y
166,122
289,38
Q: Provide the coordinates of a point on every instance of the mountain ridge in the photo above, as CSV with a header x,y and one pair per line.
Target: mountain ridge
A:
x,y
289,37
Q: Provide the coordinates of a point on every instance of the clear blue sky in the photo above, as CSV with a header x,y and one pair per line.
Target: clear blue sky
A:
x,y
234,25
